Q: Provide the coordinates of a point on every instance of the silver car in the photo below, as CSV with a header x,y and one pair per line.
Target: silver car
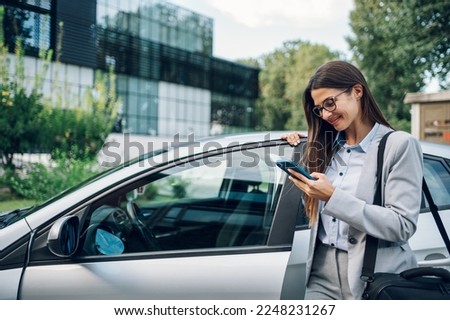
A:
x,y
213,219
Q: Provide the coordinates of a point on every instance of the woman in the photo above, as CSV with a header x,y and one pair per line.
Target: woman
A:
x,y
345,126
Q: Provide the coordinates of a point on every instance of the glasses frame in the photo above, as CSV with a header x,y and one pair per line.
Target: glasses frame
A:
x,y
318,110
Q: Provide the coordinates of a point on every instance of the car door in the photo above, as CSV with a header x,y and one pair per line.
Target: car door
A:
x,y
294,283
214,226
427,242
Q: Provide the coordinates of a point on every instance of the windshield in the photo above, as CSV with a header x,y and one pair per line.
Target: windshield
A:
x,y
9,217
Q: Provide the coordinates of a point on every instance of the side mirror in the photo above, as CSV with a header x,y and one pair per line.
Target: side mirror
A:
x,y
64,236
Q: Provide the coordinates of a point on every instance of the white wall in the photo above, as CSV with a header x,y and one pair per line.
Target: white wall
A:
x,y
183,110
71,79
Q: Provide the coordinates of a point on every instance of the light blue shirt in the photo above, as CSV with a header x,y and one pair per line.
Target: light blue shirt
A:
x,y
344,172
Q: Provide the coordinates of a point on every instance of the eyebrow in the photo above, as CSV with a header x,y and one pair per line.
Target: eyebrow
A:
x,y
320,105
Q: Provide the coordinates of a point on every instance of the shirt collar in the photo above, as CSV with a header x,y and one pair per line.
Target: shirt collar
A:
x,y
364,144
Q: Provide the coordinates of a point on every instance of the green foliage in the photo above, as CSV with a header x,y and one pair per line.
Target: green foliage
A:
x,y
40,182
398,45
151,191
285,73
12,204
21,108
61,122
272,81
79,131
71,128
179,186
20,121
401,124
307,59
430,37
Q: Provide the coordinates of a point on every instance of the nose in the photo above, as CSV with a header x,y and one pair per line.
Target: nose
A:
x,y
326,113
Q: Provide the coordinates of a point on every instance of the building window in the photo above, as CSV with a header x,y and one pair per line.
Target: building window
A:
x,y
32,25
158,21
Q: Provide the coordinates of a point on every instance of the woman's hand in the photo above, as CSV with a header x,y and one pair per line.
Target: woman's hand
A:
x,y
321,188
292,138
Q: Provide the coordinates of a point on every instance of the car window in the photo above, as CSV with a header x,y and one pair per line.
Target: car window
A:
x,y
437,177
219,201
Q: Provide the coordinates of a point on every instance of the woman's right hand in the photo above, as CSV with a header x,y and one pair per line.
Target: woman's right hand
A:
x,y
293,138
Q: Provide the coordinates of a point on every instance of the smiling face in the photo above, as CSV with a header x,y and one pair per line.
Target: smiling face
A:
x,y
347,111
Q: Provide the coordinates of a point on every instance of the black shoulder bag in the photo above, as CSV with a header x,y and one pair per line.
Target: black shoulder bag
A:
x,y
422,283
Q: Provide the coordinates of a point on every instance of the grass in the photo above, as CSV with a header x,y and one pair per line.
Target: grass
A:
x,y
9,201
10,204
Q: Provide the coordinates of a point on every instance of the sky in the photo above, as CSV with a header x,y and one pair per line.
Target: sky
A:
x,y
252,28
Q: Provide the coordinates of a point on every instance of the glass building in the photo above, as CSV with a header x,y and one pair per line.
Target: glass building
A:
x,y
167,77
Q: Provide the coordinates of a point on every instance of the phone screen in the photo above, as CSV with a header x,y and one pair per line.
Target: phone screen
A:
x,y
289,164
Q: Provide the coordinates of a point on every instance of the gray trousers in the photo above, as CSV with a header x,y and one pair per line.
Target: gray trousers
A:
x,y
329,275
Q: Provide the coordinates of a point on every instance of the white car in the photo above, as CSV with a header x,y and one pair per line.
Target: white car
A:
x,y
214,219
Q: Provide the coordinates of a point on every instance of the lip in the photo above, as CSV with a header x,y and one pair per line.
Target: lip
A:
x,y
333,121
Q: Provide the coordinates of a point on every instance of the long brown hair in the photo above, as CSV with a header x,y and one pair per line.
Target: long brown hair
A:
x,y
321,135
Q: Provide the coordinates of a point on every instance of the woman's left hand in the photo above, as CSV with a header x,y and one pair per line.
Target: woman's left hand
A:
x,y
321,188
293,138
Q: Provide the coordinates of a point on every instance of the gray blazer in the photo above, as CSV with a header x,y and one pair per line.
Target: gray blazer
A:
x,y
394,223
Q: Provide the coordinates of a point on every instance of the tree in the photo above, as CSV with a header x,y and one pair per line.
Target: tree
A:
x,y
79,130
61,124
398,45
431,36
285,73
307,59
273,104
20,122
21,104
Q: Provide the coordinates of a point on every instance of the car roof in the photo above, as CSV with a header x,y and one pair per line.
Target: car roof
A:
x,y
432,148
146,162
200,146
229,139
436,149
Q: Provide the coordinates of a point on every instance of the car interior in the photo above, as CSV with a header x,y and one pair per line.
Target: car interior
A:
x,y
184,208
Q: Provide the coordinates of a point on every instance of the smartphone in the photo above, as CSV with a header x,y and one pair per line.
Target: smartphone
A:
x,y
289,164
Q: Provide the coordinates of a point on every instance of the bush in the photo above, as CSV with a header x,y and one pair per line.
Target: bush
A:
x,y
62,120
80,129
39,182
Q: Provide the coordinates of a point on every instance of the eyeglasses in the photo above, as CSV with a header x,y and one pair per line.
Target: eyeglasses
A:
x,y
328,104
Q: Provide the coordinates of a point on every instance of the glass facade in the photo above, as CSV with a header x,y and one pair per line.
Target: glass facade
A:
x,y
159,22
140,96
167,78
31,21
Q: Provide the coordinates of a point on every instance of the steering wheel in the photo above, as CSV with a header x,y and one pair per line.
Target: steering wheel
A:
x,y
145,234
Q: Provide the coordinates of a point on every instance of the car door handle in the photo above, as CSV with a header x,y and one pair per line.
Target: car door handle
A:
x,y
435,263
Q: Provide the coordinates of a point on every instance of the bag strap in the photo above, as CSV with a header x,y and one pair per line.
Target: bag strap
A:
x,y
368,268
380,160
370,254
436,216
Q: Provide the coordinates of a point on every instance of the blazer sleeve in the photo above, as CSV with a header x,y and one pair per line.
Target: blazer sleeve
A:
x,y
401,190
